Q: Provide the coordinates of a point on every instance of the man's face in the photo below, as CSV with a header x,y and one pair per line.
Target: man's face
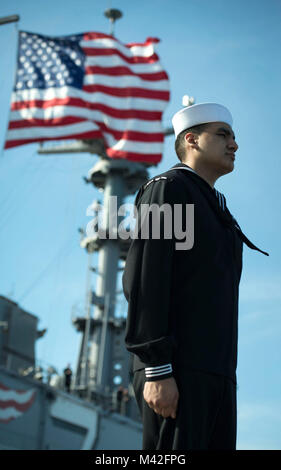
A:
x,y
217,147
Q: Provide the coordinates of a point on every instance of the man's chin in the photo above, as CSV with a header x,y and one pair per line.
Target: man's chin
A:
x,y
228,168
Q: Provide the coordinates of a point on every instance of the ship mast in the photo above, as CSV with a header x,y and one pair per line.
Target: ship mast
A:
x,y
103,358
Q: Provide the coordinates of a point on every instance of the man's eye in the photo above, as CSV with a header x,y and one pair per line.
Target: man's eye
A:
x,y
222,135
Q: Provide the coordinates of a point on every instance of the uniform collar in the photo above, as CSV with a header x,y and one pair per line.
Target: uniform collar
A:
x,y
220,197
224,213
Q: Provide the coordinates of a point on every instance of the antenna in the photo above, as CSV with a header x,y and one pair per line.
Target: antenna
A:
x,y
113,14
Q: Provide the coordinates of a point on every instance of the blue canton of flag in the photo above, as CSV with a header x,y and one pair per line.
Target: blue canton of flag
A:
x,y
46,62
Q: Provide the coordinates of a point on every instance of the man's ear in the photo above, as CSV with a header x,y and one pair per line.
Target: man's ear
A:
x,y
191,139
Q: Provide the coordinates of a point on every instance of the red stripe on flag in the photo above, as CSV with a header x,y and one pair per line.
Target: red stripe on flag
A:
x,y
18,406
132,135
92,36
146,43
138,157
98,51
6,420
4,387
120,71
125,134
86,135
63,121
78,102
129,92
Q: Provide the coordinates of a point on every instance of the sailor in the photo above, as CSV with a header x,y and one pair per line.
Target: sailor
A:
x,y
67,378
119,397
183,300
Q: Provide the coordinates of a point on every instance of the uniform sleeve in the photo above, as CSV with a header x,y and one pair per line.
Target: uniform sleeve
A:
x,y
147,282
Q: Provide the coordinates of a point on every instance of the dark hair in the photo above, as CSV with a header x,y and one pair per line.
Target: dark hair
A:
x,y
180,142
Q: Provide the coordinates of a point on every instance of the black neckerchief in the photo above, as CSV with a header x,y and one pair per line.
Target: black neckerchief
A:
x,y
224,214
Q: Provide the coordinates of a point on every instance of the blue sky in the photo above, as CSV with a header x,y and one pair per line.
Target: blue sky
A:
x,y
220,51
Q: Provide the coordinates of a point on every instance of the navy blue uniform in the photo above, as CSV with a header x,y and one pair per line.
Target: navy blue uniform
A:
x,y
183,304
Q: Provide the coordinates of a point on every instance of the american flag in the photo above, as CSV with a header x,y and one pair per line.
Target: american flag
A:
x,y
13,403
89,86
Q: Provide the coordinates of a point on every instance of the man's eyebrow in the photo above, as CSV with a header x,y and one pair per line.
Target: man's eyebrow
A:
x,y
226,131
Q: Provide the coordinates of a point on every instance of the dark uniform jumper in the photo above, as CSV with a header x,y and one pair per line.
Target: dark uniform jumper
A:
x,y
183,315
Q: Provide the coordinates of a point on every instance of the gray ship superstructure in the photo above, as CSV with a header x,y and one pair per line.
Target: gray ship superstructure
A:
x,y
100,412
36,411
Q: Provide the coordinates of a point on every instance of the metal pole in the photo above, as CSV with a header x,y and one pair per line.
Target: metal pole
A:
x,y
106,280
85,355
103,338
9,19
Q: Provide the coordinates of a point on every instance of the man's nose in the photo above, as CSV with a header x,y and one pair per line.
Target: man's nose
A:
x,y
232,144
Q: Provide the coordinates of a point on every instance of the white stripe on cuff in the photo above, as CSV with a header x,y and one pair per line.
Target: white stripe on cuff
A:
x,y
158,370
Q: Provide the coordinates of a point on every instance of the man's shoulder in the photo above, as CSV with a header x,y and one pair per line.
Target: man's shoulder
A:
x,y
170,182
171,177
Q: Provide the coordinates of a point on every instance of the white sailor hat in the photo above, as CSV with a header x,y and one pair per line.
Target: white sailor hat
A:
x,y
200,113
